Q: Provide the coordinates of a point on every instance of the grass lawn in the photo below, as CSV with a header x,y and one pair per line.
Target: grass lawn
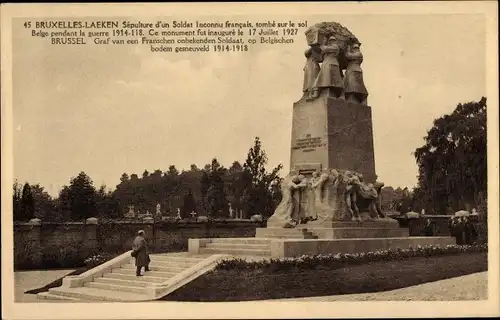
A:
x,y
237,285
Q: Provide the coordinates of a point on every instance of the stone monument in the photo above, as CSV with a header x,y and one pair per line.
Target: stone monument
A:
x,y
332,156
331,197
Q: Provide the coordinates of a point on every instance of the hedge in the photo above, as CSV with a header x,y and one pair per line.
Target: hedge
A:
x,y
341,259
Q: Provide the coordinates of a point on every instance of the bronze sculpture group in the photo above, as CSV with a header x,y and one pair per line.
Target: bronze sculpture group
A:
x,y
336,50
330,195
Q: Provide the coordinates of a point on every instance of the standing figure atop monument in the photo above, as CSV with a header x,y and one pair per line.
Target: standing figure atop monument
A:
x,y
311,69
355,90
330,76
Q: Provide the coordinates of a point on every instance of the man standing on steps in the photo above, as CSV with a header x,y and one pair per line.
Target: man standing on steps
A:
x,y
141,253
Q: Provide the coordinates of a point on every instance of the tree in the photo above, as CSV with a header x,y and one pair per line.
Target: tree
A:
x,y
107,204
17,195
452,162
44,206
215,196
190,182
171,188
189,204
124,178
235,185
27,203
389,198
204,186
261,192
78,199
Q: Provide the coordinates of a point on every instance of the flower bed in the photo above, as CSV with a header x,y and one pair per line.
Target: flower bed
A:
x,y
98,259
340,259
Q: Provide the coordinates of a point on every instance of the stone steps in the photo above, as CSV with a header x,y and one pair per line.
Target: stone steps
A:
x,y
236,246
97,294
180,255
156,267
289,236
121,284
241,240
168,263
145,278
236,251
282,233
127,287
223,246
173,258
156,274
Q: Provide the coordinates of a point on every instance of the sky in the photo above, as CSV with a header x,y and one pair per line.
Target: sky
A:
x,y
107,110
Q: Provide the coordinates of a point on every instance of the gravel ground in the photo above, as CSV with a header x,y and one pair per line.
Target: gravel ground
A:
x,y
469,287
28,280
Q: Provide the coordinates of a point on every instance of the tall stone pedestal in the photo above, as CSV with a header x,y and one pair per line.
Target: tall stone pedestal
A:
x,y
332,133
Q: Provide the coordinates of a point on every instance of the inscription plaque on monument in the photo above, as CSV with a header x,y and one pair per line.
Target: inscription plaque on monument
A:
x,y
308,144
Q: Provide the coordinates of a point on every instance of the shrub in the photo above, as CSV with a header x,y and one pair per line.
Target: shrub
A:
x,y
24,252
482,226
70,255
97,259
256,218
202,219
341,259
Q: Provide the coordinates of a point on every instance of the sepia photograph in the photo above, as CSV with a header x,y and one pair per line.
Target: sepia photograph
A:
x,y
209,160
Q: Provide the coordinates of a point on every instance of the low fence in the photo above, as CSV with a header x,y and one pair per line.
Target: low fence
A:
x,y
40,244
440,222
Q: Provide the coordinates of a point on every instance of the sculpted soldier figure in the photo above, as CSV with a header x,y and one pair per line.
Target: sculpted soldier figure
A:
x,y
312,197
352,181
300,211
289,207
355,90
378,202
311,69
365,195
318,187
330,76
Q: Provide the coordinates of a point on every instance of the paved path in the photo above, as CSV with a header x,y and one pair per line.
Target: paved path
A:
x,y
469,287
28,280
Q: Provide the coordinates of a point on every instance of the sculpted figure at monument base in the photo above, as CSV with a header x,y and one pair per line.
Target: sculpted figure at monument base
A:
x,y
327,196
289,209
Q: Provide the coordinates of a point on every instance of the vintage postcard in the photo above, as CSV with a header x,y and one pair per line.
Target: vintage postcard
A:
x,y
263,160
